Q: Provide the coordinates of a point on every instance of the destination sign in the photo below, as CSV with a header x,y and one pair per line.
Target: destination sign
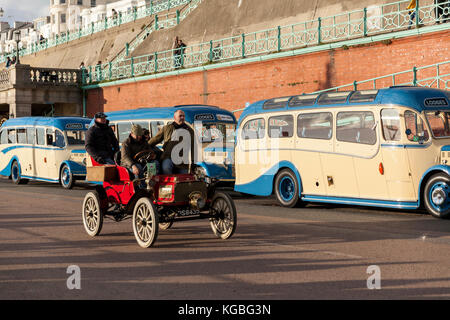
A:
x,y
74,126
436,102
204,116
224,117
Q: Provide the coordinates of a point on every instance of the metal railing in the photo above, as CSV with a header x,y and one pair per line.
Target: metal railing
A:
x,y
154,7
166,21
432,76
351,25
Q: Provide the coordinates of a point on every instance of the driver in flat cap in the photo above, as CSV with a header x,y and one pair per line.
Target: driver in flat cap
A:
x,y
131,147
101,142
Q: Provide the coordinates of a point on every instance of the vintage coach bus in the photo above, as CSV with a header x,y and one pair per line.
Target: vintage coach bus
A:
x,y
384,148
43,149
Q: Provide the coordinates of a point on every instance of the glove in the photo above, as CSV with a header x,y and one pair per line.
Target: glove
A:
x,y
100,160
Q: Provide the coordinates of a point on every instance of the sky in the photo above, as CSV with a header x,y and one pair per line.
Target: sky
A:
x,y
24,10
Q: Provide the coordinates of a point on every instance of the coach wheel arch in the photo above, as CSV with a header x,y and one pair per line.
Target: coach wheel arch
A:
x,y
286,188
435,195
15,173
424,183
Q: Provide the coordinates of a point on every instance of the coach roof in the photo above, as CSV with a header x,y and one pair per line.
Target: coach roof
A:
x,y
57,122
408,96
167,113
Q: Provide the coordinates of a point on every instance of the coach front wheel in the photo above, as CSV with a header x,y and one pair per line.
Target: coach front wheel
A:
x,y
66,178
437,197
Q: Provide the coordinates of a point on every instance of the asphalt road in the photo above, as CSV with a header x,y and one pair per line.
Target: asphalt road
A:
x,y
316,252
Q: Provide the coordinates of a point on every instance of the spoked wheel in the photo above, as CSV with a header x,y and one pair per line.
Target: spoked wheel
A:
x,y
92,214
66,178
145,222
225,222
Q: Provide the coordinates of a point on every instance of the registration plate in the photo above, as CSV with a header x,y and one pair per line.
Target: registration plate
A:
x,y
188,212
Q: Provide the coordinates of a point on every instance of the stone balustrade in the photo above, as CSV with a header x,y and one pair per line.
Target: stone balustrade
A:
x,y
26,76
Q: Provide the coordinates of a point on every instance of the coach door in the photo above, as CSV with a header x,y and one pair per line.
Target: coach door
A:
x,y
249,150
314,137
352,169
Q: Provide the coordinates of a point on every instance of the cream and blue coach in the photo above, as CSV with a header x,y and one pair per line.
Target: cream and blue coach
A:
x,y
384,148
43,149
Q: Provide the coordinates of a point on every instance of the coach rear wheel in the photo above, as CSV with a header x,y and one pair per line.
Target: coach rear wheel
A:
x,y
224,224
92,214
287,189
437,197
145,222
66,178
15,174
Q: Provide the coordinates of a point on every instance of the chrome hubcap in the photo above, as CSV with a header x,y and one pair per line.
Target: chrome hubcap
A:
x,y
438,196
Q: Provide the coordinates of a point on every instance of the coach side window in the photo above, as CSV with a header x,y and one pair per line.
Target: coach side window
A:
x,y
124,130
3,137
31,135
21,136
390,120
315,125
418,132
12,136
156,126
59,139
356,127
254,129
281,126
40,136
49,137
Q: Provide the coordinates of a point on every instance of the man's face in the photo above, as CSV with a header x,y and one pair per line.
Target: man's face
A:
x,y
138,138
179,117
100,120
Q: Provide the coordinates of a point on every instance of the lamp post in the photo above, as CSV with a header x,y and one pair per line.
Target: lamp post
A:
x,y
17,39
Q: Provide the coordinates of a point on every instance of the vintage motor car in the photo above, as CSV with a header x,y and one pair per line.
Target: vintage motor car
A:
x,y
165,199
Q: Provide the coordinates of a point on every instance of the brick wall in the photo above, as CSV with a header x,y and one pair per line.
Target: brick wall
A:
x,y
232,87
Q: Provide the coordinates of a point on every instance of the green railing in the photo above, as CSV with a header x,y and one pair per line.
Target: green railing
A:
x,y
432,76
351,25
166,21
153,8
